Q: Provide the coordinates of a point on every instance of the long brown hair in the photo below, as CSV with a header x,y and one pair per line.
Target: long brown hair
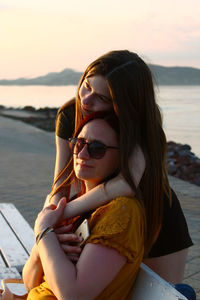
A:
x,y
130,83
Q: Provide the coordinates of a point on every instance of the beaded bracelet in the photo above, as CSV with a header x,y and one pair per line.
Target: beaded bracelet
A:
x,y
43,233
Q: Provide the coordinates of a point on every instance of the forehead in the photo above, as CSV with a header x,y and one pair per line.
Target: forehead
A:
x,y
98,130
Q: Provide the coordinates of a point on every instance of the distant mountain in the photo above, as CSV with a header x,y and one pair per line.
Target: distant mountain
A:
x,y
162,76
175,75
66,77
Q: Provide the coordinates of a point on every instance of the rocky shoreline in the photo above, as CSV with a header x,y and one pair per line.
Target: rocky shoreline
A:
x,y
180,161
43,118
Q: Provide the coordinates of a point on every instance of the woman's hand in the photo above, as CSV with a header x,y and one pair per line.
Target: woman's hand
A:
x,y
69,242
50,216
53,199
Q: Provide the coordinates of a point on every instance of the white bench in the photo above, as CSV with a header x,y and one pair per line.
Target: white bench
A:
x,y
17,240
150,286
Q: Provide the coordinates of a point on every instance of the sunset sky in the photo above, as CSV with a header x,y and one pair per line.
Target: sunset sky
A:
x,y
41,36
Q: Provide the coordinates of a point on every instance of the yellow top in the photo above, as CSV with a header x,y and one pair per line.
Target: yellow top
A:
x,y
119,225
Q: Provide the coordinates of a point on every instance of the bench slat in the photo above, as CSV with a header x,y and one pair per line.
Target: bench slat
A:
x,y
19,225
9,273
2,262
11,249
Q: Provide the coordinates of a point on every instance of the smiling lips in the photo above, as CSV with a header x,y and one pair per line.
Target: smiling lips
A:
x,y
84,165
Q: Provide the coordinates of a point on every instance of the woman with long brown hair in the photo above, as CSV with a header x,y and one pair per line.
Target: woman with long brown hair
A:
x,y
109,262
121,80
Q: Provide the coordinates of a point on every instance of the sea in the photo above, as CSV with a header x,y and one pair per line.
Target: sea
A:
x,y
180,107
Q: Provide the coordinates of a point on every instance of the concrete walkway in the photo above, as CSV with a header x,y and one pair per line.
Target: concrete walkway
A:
x,y
189,196
27,157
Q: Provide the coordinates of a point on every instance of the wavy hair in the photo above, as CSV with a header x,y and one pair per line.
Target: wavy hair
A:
x,y
130,83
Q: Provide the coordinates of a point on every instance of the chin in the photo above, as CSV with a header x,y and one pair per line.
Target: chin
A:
x,y
83,175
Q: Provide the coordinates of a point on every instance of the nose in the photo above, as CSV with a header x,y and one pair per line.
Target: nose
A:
x,y
87,99
83,154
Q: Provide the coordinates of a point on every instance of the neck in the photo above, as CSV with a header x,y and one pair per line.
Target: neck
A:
x,y
89,185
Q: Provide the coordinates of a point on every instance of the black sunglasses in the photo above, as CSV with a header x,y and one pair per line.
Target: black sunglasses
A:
x,y
95,149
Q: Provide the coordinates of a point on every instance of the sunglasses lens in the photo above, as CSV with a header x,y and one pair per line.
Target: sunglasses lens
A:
x,y
76,145
96,150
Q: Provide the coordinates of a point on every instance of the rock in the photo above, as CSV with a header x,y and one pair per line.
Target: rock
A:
x,y
185,147
171,168
196,180
182,163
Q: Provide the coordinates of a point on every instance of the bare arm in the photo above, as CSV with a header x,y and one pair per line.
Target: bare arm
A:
x,y
63,155
69,281
32,272
162,265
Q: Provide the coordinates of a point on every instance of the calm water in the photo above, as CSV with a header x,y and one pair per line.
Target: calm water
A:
x,y
181,114
180,106
37,96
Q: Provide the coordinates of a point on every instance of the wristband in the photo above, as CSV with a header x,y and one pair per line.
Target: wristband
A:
x,y
43,233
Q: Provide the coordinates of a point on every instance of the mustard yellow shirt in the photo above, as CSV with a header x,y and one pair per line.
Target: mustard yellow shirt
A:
x,y
119,225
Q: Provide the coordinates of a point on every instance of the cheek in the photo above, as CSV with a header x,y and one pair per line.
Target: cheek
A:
x,y
101,106
109,165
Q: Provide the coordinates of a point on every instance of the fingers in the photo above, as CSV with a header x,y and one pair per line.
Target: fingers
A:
x,y
61,205
63,229
69,237
73,257
53,206
51,215
62,202
71,250
68,242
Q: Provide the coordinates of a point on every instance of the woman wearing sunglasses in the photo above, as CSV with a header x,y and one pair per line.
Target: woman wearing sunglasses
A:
x,y
109,262
120,80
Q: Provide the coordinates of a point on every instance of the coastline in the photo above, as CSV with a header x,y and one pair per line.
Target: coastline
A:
x,y
181,162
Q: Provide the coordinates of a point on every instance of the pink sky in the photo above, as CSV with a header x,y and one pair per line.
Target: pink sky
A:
x,y
41,36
